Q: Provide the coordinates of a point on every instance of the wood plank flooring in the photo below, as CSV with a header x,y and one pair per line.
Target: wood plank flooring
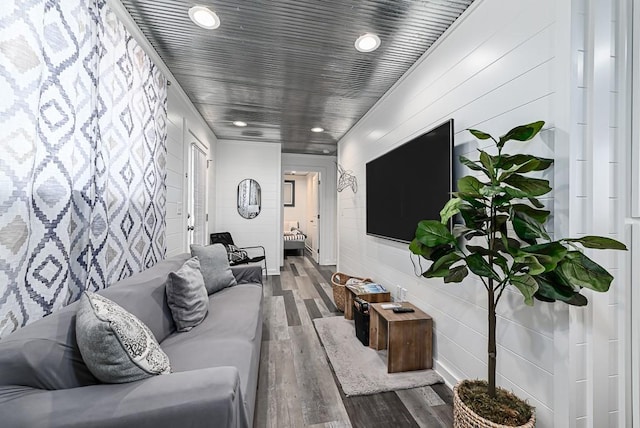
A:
x,y
297,387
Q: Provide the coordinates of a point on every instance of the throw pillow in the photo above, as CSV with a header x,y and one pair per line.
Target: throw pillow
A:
x,y
115,345
187,296
236,256
214,266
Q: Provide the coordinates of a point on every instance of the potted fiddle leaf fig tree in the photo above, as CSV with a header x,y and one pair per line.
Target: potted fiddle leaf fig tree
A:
x,y
502,240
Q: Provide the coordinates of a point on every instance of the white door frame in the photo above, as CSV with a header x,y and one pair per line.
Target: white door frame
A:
x,y
326,188
195,144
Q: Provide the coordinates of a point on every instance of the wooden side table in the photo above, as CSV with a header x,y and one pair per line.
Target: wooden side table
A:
x,y
408,336
349,295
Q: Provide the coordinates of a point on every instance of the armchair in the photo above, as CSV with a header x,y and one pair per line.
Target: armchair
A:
x,y
240,255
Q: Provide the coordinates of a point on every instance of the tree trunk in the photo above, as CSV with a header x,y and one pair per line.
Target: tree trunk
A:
x,y
491,351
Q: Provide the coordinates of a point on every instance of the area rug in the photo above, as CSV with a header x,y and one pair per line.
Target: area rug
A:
x,y
360,369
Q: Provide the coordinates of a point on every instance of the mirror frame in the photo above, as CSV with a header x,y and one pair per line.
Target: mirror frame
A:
x,y
246,209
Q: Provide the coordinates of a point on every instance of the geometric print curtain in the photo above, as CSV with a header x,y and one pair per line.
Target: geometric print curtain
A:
x,y
82,155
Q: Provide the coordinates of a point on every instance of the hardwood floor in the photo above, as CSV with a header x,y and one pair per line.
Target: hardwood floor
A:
x,y
297,387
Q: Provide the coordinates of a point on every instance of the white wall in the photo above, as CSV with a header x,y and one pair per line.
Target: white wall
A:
x,y
502,64
184,128
326,166
299,211
235,161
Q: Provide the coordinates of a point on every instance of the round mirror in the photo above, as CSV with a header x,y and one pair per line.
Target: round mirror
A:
x,y
249,196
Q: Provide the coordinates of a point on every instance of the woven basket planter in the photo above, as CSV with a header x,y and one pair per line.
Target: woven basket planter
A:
x,y
464,417
339,281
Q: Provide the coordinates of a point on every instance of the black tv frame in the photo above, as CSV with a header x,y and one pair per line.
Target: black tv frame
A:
x,y
450,124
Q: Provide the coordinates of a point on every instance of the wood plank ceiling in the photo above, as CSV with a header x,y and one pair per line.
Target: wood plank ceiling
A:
x,y
286,66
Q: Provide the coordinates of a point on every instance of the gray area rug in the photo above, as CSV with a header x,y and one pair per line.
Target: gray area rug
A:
x,y
360,369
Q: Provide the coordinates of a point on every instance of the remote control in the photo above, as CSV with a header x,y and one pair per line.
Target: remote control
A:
x,y
402,310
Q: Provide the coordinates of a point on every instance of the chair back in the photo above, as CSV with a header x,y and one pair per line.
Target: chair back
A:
x,y
223,238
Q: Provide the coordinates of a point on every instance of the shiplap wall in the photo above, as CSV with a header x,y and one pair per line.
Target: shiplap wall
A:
x,y
498,67
599,180
184,127
235,161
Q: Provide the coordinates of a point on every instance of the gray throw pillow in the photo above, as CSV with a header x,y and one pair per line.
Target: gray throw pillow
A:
x,y
115,345
187,295
214,266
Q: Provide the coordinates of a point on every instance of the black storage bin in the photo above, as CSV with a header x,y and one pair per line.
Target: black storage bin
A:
x,y
361,318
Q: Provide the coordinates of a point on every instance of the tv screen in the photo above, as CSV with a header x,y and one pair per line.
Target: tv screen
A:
x,y
410,183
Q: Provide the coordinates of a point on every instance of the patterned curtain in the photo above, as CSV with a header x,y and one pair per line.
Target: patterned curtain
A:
x,y
82,155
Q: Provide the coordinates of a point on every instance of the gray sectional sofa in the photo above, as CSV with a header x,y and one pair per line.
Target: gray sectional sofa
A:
x,y
45,383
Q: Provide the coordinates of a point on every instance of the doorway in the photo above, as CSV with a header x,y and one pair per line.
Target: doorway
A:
x,y
197,205
302,207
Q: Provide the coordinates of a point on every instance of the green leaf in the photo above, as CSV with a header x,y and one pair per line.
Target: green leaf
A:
x,y
478,265
440,267
432,273
451,208
471,200
581,271
599,243
536,203
471,164
552,287
459,230
501,200
432,233
507,162
421,250
508,245
516,193
446,261
548,254
473,218
527,286
527,228
531,165
487,162
531,186
538,215
470,186
529,262
522,133
456,274
479,134
499,222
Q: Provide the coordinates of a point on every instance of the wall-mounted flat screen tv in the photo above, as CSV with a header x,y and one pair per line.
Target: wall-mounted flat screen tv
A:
x,y
410,183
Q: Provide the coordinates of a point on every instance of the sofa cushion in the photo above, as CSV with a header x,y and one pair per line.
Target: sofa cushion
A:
x,y
187,295
45,355
115,345
214,266
229,336
143,295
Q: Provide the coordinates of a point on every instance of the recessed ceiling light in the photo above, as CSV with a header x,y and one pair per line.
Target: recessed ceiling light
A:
x,y
317,129
240,123
325,151
204,17
367,43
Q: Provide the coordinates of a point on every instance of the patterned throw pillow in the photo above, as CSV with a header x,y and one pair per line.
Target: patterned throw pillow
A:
x,y
115,345
236,255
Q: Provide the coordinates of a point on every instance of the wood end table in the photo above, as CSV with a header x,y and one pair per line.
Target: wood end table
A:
x,y
350,295
407,336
